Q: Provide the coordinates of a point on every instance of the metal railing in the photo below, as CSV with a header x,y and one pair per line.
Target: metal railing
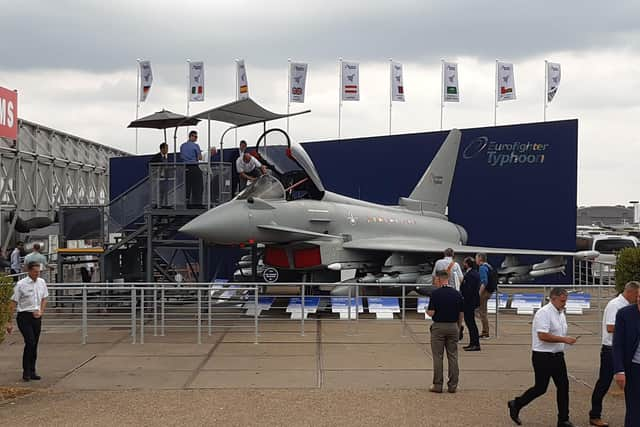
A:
x,y
144,308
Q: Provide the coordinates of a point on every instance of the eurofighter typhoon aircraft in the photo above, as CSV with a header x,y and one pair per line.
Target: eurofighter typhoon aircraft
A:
x,y
304,227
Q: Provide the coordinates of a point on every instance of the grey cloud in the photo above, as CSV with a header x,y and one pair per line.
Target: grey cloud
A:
x,y
106,36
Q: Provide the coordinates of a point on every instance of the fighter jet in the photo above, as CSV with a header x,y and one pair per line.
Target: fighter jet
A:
x,y
307,228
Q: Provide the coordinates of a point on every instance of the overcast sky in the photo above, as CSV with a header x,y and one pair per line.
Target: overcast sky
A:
x,y
74,65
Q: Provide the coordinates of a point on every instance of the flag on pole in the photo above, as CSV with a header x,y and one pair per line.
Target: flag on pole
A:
x,y
146,79
350,81
450,88
397,87
506,82
553,80
196,81
298,81
243,83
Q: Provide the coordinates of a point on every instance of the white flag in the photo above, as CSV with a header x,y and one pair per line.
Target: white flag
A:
x,y
349,75
450,88
196,81
243,83
397,87
297,81
553,80
506,82
146,79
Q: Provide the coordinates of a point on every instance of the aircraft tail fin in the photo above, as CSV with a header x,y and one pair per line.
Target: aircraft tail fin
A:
x,y
433,188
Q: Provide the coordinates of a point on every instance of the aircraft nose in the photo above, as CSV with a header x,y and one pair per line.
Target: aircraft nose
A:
x,y
225,224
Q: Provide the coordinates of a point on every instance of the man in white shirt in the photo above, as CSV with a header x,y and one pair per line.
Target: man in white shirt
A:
x,y
30,300
548,340
449,265
249,169
628,296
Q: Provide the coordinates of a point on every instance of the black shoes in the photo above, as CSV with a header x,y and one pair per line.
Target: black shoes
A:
x,y
514,412
35,376
471,348
566,424
26,378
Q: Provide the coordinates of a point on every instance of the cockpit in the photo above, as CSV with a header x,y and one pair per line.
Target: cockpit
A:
x,y
292,175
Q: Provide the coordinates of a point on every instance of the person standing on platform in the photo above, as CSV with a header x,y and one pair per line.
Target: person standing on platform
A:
x,y
445,308
161,162
234,170
628,296
470,290
549,338
16,265
626,359
249,169
488,285
30,300
191,154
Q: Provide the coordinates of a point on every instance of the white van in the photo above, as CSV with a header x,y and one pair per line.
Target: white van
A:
x,y
608,246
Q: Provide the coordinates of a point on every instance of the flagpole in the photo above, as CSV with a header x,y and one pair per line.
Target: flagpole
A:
x,y
235,131
188,84
137,98
339,98
288,91
495,96
441,92
390,91
546,85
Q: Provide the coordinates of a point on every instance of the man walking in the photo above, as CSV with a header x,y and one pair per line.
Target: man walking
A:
x,y
445,308
549,337
470,290
451,266
626,359
30,300
488,285
628,296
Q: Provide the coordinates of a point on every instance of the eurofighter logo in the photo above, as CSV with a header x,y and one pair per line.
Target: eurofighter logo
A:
x,y
437,179
506,154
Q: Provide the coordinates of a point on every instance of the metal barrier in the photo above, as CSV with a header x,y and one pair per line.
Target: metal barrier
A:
x,y
144,308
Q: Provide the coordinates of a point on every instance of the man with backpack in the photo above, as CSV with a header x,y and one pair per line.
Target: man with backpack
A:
x,y
452,268
488,285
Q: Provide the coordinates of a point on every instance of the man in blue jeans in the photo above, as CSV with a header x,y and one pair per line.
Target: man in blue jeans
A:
x,y
628,296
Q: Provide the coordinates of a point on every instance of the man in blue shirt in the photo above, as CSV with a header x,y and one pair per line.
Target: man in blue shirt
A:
x,y
191,154
485,292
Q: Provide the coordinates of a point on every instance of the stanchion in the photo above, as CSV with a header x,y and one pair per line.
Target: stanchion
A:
x,y
84,315
209,291
255,314
155,310
199,316
497,308
404,322
302,307
162,313
133,315
141,315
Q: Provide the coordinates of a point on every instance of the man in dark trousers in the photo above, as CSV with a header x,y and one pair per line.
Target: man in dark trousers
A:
x,y
470,289
160,174
549,337
628,296
626,359
191,154
445,308
30,300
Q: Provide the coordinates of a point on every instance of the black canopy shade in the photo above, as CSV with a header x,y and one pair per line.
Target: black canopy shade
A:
x,y
242,113
162,120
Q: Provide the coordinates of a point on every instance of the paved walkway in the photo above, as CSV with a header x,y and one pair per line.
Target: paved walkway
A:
x,y
337,372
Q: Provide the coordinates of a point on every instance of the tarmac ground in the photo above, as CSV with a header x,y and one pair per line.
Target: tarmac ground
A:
x,y
337,373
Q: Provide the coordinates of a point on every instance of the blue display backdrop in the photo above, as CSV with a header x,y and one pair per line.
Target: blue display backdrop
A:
x,y
514,186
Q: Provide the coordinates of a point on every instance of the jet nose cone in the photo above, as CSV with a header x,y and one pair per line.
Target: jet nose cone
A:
x,y
226,224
